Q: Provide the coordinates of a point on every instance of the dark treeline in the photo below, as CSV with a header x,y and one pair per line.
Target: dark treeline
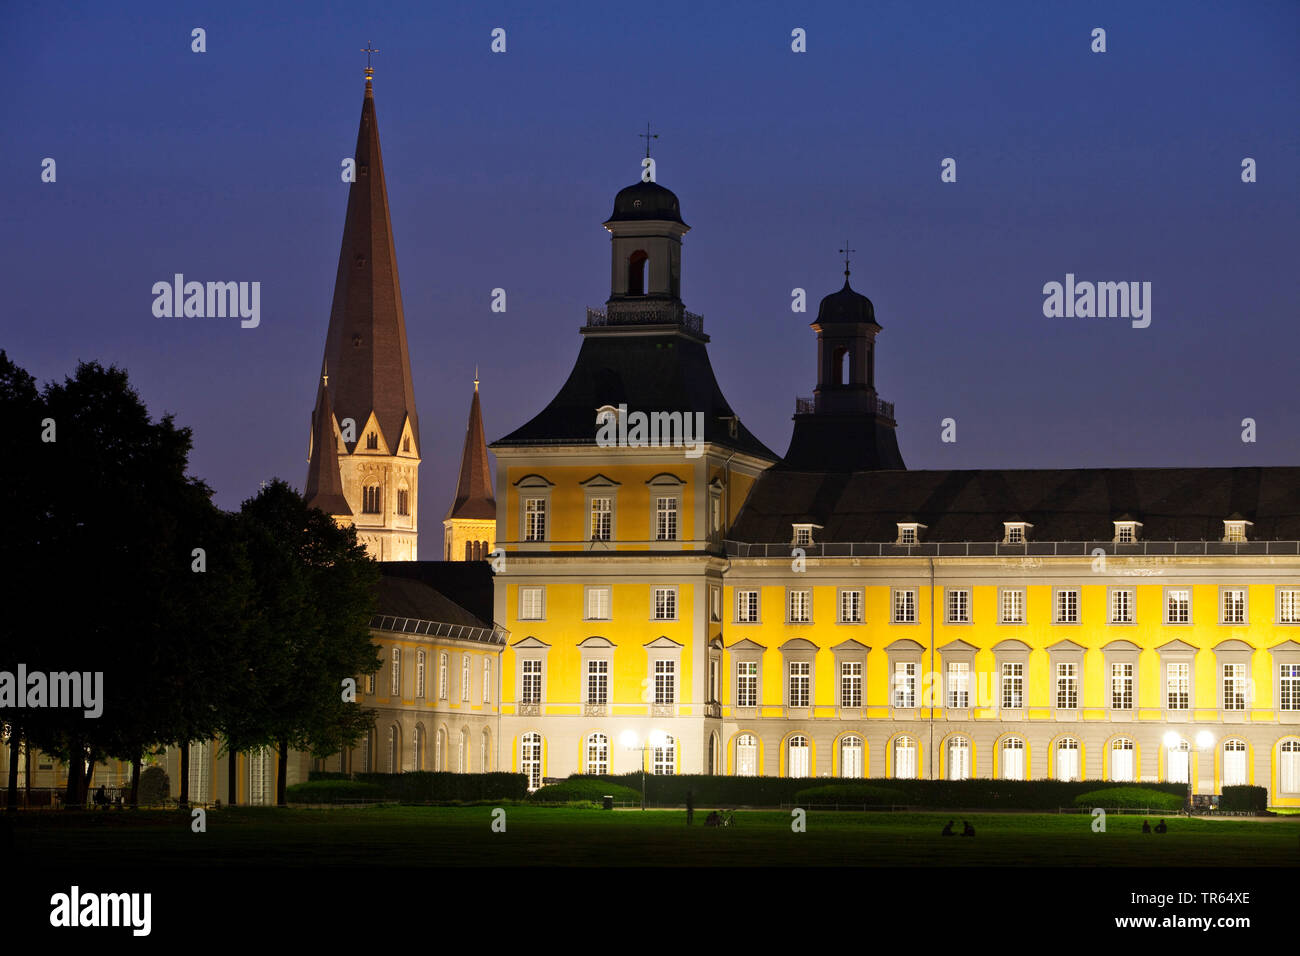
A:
x,y
205,624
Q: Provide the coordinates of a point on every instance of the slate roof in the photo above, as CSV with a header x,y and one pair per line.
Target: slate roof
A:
x,y
1173,504
450,592
324,488
661,372
474,497
644,200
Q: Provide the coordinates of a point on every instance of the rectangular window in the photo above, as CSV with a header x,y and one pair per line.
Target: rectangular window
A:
x,y
665,519
532,689
403,501
1121,686
1178,606
715,603
442,676
665,682
958,684
800,607
1015,534
464,677
850,683
746,607
904,606
1289,687
602,518
419,674
1234,686
799,680
1067,686
904,684
802,536
1288,605
1013,685
1121,606
665,604
487,686
1124,533
1178,685
532,604
958,606
1013,606
907,534
1234,605
1067,606
534,519
597,604
747,684
851,606
597,682
396,685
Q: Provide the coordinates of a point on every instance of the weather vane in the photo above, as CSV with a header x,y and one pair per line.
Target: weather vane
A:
x,y
647,136
368,51
845,253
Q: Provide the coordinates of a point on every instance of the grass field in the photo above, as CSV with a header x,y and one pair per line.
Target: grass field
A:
x,y
562,836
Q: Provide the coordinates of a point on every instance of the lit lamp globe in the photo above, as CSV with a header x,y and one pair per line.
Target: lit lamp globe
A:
x,y
1172,740
628,739
1205,740
658,738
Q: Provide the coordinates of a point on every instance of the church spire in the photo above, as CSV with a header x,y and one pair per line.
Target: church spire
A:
x,y
324,481
366,343
474,498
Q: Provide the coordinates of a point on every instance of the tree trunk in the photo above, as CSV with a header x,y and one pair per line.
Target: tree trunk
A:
x,y
92,759
11,801
136,763
27,774
282,775
185,775
231,790
76,770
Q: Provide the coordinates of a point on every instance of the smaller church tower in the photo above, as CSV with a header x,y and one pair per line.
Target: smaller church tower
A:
x,y
470,528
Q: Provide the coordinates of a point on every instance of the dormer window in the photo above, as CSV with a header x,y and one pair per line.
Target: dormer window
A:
x,y
1126,532
1235,529
909,532
1016,532
803,534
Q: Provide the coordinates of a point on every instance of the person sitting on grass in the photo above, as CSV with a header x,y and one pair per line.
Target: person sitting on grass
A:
x,y
967,829
713,819
947,830
1146,826
1161,827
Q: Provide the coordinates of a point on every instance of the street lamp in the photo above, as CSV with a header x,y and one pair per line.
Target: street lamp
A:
x,y
1205,743
656,740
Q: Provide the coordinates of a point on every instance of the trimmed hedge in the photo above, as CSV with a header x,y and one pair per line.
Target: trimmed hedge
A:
x,y
851,793
1130,798
155,788
1244,799
425,787
975,794
333,791
584,789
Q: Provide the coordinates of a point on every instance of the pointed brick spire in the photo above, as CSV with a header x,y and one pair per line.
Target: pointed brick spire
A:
x,y
324,482
474,498
365,348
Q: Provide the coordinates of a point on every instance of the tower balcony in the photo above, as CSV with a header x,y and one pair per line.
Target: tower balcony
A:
x,y
807,405
645,312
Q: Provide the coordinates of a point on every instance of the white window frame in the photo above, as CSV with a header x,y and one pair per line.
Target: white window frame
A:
x,y
857,602
747,606
799,605
957,606
1173,614
527,594
1288,605
747,684
908,613
1003,595
592,595
663,603
1232,611
1065,606
1113,604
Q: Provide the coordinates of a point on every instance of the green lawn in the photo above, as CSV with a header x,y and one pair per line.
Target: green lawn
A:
x,y
462,836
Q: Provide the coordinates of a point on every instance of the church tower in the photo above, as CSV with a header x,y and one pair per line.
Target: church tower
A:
x,y
365,445
845,426
470,528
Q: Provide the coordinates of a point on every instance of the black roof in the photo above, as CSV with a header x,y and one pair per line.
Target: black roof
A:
x,y
1173,504
450,592
846,305
648,373
645,201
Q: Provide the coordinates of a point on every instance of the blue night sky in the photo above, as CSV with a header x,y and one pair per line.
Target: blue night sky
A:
x,y
1122,166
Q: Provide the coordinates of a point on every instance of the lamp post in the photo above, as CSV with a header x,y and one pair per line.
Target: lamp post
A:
x,y
1204,743
630,741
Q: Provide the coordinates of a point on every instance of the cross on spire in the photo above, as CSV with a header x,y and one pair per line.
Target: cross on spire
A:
x,y
368,51
647,136
476,378
845,253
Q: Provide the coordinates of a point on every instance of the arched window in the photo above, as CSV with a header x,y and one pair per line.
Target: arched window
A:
x,y
372,441
394,749
403,500
530,759
1234,763
419,747
440,750
462,754
799,756
636,271
1013,759
1178,768
371,500
469,550
597,754
905,758
1122,761
664,758
1067,759
746,755
1288,766
840,371
851,756
958,758
713,753
485,755
368,753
